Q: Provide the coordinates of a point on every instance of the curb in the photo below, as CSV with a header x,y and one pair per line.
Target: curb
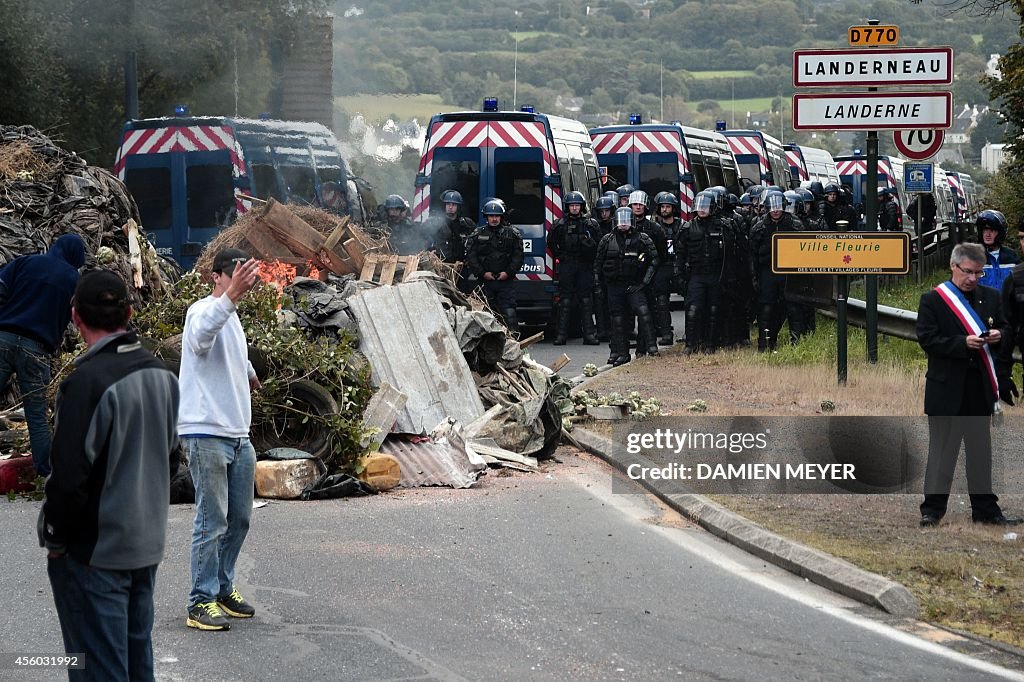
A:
x,y
818,567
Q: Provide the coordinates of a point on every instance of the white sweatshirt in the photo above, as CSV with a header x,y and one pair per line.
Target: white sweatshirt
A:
x,y
215,372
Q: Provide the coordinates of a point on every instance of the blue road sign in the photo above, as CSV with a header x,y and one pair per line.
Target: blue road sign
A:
x,y
917,177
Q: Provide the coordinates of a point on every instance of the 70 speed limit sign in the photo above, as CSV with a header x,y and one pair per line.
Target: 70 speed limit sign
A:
x,y
918,145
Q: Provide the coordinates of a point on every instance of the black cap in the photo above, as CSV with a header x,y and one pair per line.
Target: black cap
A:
x,y
226,260
101,289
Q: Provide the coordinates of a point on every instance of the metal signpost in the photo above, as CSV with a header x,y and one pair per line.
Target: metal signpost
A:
x,y
873,61
918,179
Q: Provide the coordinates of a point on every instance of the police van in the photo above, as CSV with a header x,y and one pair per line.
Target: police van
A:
x,y
962,187
760,158
526,159
190,175
853,173
810,164
666,158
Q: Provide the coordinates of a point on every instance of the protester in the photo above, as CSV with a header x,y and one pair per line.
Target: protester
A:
x,y
35,308
958,324
104,520
216,378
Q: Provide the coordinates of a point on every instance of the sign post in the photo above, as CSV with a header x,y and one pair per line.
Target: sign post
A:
x,y
918,178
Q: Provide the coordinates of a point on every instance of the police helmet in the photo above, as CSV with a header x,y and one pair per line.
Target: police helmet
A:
x,y
755,191
832,187
638,197
992,220
612,194
667,198
705,201
395,201
731,200
806,194
494,207
773,200
605,202
624,190
745,199
816,189
774,188
794,202
623,217
451,196
719,193
575,198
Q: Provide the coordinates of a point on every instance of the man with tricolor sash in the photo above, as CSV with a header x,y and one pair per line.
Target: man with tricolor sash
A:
x,y
959,324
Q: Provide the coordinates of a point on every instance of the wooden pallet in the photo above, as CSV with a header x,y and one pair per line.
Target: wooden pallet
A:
x,y
382,268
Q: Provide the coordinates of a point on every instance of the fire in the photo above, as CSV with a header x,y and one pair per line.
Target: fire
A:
x,y
277,273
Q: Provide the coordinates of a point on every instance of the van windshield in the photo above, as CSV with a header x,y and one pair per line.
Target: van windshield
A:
x,y
456,168
151,189
659,172
301,183
211,195
264,181
749,166
518,180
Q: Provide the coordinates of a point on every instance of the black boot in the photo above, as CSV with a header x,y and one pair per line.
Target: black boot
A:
x,y
646,321
511,319
562,322
587,316
619,345
694,330
601,313
714,340
663,320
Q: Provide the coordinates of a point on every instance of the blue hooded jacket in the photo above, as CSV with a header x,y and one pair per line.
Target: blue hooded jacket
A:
x,y
36,291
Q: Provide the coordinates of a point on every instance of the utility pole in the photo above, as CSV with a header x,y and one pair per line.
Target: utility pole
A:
x,y
663,90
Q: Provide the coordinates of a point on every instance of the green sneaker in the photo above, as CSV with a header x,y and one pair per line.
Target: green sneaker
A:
x,y
235,605
207,616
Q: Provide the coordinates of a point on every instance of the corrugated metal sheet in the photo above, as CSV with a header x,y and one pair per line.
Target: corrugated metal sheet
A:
x,y
430,463
407,339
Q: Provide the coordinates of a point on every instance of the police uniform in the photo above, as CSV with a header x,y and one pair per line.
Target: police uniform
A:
x,y
664,279
625,265
703,249
408,238
573,242
496,250
770,287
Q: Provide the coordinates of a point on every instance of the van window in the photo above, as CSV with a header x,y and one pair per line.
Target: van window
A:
x,y
749,166
151,189
714,166
593,185
301,183
579,178
330,174
618,171
732,181
457,168
211,195
700,172
264,181
659,172
518,180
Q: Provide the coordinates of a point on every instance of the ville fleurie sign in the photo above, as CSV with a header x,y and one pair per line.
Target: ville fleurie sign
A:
x,y
872,110
841,253
868,68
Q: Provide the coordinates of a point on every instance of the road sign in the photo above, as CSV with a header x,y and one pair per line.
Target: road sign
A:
x,y
918,177
864,36
867,67
841,253
872,111
918,145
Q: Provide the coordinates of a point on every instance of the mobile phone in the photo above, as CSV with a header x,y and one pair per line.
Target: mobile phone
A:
x,y
985,333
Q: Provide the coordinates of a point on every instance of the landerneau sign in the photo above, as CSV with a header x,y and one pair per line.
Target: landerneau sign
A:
x,y
872,111
841,253
865,67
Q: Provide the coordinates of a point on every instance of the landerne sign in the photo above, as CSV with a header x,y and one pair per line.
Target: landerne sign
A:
x,y
895,66
841,253
873,111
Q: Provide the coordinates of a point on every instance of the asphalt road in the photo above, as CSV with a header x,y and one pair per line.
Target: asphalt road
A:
x,y
546,353
529,576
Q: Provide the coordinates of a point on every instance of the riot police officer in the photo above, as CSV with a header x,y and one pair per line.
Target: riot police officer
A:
x,y
704,247
888,209
405,237
625,265
835,211
573,242
452,229
494,254
638,203
605,212
770,287
670,221
624,191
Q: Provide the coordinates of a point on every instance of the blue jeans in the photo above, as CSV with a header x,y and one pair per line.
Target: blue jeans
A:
x,y
224,473
27,359
106,615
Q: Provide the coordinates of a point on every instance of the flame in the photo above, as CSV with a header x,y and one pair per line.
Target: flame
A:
x,y
277,273
314,271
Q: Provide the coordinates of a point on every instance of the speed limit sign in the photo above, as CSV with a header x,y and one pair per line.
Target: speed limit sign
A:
x,y
918,145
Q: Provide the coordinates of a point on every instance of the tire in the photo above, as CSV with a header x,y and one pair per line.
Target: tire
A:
x,y
286,429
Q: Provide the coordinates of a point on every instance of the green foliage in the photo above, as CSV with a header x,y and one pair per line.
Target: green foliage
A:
x,y
291,355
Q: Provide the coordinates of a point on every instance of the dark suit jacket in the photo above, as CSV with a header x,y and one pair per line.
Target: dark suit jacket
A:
x,y
944,339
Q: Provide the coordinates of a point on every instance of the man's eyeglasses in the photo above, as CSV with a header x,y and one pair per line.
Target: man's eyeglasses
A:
x,y
969,273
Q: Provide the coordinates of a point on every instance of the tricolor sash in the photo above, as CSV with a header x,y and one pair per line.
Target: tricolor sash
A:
x,y
972,324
